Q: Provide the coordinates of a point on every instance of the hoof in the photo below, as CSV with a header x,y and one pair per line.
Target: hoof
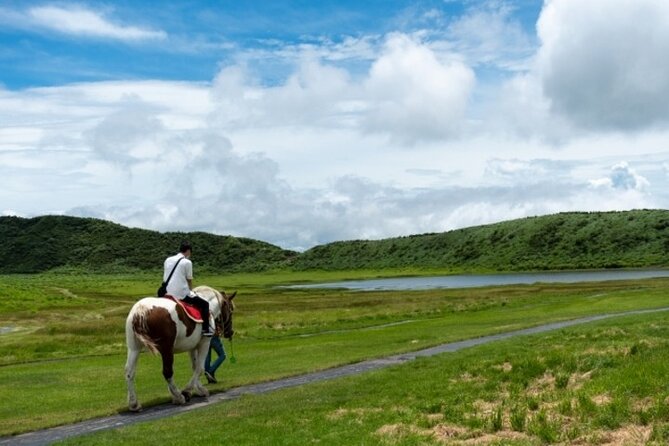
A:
x,y
203,392
135,408
180,400
186,395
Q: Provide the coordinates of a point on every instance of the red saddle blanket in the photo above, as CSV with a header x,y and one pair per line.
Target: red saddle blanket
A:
x,y
190,310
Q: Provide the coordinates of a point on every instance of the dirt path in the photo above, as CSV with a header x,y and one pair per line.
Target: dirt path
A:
x,y
48,436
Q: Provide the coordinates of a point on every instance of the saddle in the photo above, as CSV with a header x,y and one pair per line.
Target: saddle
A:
x,y
192,312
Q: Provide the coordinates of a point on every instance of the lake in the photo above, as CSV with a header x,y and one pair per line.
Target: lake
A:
x,y
480,280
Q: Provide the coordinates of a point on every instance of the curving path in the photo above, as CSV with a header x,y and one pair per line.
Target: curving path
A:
x,y
48,436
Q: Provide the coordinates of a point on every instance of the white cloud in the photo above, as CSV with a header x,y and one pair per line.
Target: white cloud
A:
x,y
596,72
518,108
408,95
523,171
77,20
487,34
413,95
127,135
603,63
622,178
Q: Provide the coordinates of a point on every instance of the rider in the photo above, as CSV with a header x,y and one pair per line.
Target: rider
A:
x,y
181,284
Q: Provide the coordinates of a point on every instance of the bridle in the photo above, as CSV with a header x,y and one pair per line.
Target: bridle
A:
x,y
223,326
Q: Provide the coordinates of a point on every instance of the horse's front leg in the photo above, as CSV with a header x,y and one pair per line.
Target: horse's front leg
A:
x,y
198,355
168,372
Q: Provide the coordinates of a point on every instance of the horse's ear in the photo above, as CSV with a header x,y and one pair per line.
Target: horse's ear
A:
x,y
232,296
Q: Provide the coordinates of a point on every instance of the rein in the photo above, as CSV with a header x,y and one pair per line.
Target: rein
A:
x,y
232,359
221,326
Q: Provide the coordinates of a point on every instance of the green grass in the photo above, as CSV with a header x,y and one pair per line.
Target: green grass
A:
x,y
501,393
64,361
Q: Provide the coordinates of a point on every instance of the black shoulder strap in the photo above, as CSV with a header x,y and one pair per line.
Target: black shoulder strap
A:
x,y
173,269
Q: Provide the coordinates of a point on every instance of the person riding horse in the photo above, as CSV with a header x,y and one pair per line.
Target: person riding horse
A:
x,y
162,326
179,277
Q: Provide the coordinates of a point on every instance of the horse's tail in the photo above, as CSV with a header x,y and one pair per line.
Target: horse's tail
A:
x,y
138,327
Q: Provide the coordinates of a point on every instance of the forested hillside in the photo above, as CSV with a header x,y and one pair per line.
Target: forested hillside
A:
x,y
561,241
44,243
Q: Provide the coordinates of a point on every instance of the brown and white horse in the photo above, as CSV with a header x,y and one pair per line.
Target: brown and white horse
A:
x,y
162,326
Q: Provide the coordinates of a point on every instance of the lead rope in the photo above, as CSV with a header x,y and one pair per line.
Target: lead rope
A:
x,y
233,360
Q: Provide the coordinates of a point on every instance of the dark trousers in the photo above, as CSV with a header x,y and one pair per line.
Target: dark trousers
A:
x,y
201,305
217,346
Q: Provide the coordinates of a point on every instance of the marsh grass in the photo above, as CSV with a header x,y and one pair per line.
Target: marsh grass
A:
x,y
65,363
518,418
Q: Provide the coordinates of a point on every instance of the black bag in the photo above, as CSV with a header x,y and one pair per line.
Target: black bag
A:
x,y
162,290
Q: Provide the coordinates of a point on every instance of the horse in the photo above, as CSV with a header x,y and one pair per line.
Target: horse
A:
x,y
163,327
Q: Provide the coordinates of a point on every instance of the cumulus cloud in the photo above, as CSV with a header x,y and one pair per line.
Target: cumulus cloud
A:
x,y
519,109
622,177
596,71
414,95
409,94
127,135
315,94
603,63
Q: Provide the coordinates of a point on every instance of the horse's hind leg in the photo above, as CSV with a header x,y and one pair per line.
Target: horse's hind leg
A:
x,y
130,368
168,373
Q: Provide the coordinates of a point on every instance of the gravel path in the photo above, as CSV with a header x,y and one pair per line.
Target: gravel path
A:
x,y
48,436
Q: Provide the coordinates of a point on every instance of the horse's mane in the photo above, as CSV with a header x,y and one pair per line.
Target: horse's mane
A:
x,y
221,296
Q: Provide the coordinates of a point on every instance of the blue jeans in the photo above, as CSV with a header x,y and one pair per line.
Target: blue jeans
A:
x,y
217,346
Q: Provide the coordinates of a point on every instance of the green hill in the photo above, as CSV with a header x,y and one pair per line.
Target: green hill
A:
x,y
44,243
562,241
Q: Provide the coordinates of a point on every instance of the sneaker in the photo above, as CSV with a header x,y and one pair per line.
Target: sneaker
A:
x,y
209,333
211,379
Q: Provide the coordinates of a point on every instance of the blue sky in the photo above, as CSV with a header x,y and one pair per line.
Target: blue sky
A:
x,y
305,122
191,40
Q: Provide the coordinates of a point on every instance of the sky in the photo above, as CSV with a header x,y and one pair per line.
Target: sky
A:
x,y
305,122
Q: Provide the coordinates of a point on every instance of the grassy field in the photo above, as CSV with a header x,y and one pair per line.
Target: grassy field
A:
x,y
599,384
62,359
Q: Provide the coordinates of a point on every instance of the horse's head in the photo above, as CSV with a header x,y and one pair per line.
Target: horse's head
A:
x,y
221,306
224,320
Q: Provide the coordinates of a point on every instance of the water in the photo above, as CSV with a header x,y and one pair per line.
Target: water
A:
x,y
480,280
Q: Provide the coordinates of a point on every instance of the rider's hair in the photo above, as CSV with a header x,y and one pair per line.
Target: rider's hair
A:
x,y
185,246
